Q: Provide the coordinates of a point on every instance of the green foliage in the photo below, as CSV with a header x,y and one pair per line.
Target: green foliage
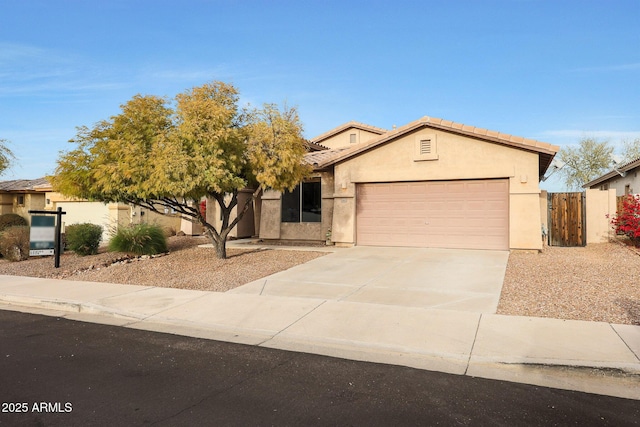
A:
x,y
157,155
14,243
586,162
11,220
83,239
139,239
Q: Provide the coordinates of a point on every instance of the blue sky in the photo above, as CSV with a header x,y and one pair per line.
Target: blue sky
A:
x,y
554,71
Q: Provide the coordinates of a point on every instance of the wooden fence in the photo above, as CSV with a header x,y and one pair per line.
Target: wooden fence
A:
x,y
619,201
567,219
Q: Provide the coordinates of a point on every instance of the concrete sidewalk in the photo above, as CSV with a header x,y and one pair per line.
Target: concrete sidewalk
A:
x,y
576,355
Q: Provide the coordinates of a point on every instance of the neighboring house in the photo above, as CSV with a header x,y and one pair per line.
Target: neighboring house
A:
x,y
625,179
20,196
430,183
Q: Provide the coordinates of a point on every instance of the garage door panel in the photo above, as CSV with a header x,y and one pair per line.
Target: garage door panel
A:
x,y
449,214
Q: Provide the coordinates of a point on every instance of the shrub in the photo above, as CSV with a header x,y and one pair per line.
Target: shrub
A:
x,y
139,239
627,221
83,239
14,243
11,220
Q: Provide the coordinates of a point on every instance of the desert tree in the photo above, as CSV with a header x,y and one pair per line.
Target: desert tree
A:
x,y
164,156
630,150
590,159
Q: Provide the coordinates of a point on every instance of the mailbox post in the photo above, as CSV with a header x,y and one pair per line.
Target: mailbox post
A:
x,y
57,245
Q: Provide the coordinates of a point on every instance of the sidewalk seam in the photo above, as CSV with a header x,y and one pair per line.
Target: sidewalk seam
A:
x,y
475,337
264,285
172,307
625,343
291,324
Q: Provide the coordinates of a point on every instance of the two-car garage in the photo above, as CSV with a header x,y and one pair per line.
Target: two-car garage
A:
x,y
431,183
465,214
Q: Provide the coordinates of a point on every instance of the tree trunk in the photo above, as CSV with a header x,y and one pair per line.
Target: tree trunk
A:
x,y
219,239
221,248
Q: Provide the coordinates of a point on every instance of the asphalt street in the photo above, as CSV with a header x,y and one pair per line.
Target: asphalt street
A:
x,y
55,371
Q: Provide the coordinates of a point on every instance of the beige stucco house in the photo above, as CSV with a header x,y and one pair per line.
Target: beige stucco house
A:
x,y
430,183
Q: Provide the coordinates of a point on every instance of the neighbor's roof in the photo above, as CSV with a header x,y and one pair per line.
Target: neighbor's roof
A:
x,y
545,151
349,125
23,185
614,173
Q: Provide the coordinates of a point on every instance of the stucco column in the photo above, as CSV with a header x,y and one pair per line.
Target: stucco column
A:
x,y
270,215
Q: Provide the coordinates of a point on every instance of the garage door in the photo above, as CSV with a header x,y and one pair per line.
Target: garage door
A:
x,y
472,214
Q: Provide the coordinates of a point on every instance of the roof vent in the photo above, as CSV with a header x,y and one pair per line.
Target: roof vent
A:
x,y
425,146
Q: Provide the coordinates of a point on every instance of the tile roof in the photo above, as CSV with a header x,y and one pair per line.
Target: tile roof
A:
x,y
23,184
318,158
346,126
626,167
546,151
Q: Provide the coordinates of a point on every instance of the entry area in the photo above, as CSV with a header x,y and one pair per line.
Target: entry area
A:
x,y
463,214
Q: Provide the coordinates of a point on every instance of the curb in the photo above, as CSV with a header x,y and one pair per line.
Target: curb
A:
x,y
607,378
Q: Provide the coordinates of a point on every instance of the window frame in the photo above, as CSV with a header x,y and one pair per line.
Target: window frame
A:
x,y
288,208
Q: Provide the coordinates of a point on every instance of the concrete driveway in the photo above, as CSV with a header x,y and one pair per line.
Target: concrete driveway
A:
x,y
448,279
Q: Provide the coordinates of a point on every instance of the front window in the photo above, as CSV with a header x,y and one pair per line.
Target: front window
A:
x,y
303,204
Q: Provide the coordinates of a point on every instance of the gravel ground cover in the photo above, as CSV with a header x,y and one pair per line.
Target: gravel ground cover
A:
x,y
599,282
186,266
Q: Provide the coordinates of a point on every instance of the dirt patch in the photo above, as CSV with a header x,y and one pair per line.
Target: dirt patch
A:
x,y
599,282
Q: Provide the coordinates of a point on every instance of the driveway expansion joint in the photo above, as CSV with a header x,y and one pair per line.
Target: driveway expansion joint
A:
x,y
475,337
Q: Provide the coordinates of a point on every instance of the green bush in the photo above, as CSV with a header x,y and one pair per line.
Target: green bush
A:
x,y
139,239
83,239
14,243
11,220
